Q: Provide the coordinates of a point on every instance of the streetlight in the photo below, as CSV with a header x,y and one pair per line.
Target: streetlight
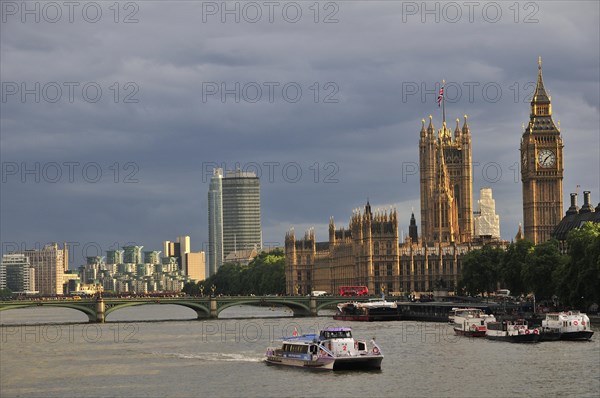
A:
x,y
213,288
202,290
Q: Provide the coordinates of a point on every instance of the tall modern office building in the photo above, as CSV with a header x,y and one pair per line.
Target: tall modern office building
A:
x,y
233,215
241,212
215,222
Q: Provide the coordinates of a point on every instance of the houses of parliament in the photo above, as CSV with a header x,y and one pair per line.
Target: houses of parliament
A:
x,y
370,252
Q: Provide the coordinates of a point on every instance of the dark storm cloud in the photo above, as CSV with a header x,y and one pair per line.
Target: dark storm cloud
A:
x,y
348,150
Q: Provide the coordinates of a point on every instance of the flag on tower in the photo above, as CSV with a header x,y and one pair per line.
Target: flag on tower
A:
x,y
440,96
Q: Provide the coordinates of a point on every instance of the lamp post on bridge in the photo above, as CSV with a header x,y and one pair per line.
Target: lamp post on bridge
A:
x,y
213,303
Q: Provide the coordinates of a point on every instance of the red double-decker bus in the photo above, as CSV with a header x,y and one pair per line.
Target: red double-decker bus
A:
x,y
354,291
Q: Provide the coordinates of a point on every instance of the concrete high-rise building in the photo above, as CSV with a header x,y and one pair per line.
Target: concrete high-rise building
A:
x,y
241,211
196,266
191,264
542,168
178,249
215,222
17,274
184,249
486,221
152,257
446,183
49,264
132,254
114,257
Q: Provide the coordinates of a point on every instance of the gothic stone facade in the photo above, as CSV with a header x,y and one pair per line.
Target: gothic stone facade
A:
x,y
446,184
370,253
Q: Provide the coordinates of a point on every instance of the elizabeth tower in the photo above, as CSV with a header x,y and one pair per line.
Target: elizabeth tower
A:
x,y
541,168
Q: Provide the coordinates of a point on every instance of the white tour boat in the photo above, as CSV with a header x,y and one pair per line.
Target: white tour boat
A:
x,y
571,325
470,322
512,331
332,349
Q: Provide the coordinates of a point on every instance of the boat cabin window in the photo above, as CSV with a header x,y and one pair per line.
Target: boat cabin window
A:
x,y
301,349
340,334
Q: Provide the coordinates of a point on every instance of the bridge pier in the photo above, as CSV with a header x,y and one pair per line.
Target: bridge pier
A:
x,y
313,306
100,310
213,308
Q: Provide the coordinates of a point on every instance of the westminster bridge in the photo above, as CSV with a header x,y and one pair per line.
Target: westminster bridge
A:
x,y
97,309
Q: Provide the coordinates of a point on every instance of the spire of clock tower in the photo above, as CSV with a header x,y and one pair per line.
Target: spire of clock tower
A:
x,y
540,102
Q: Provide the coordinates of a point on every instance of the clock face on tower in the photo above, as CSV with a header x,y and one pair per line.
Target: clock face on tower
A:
x,y
546,158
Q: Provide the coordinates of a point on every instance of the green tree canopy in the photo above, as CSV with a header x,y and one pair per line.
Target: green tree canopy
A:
x,y
481,270
263,275
578,278
513,262
538,271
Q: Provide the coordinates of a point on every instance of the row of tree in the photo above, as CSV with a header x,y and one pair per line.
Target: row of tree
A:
x,y
573,279
263,275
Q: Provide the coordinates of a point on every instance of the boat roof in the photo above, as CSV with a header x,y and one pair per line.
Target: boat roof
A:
x,y
336,330
302,339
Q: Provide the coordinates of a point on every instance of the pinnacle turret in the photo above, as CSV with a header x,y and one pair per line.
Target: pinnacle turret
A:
x,y
430,128
465,128
457,130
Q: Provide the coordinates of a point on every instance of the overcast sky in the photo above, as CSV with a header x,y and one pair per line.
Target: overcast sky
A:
x,y
324,100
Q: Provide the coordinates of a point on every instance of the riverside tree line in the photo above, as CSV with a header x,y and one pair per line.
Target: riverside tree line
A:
x,y
573,279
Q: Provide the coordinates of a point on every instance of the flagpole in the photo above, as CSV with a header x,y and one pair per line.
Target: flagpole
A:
x,y
444,102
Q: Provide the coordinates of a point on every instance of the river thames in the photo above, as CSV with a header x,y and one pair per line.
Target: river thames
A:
x,y
55,353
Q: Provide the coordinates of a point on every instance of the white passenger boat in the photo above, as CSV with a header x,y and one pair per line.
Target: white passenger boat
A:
x,y
571,325
512,331
470,322
332,349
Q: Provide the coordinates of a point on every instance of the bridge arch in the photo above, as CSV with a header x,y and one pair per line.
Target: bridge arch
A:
x,y
299,309
201,310
90,312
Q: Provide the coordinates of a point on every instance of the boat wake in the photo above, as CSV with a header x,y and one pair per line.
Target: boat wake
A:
x,y
212,357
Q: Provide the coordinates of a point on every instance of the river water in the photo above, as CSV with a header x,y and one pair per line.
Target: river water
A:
x,y
54,353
